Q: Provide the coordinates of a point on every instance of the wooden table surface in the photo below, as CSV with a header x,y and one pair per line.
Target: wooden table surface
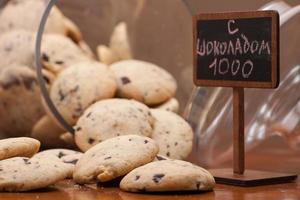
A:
x,y
66,190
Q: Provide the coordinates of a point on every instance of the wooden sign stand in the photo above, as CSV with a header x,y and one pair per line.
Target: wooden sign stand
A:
x,y
263,73
238,176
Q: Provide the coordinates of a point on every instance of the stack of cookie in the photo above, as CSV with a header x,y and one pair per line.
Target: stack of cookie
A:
x,y
122,109
23,169
132,158
136,158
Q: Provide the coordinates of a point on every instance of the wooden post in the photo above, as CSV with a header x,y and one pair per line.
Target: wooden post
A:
x,y
238,131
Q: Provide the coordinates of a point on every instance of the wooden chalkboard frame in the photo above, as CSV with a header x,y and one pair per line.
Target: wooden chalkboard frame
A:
x,y
274,51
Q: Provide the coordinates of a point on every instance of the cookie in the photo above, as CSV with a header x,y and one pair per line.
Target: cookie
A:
x,y
172,105
24,174
110,118
49,133
81,85
113,158
106,55
66,156
25,20
144,82
60,52
119,42
17,47
20,101
172,133
22,147
168,175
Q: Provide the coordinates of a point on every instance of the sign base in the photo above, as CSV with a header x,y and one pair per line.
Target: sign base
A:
x,y
251,177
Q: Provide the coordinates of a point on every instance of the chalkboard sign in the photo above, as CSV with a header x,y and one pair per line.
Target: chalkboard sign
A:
x,y
237,49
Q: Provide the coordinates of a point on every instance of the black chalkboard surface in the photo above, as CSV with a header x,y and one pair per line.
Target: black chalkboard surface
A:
x,y
237,49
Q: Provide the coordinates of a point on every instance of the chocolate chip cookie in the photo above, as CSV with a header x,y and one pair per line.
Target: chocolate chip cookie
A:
x,y
168,175
113,158
144,82
110,118
172,133
24,174
22,147
81,85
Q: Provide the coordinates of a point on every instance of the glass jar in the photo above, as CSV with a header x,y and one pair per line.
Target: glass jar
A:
x,y
152,33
